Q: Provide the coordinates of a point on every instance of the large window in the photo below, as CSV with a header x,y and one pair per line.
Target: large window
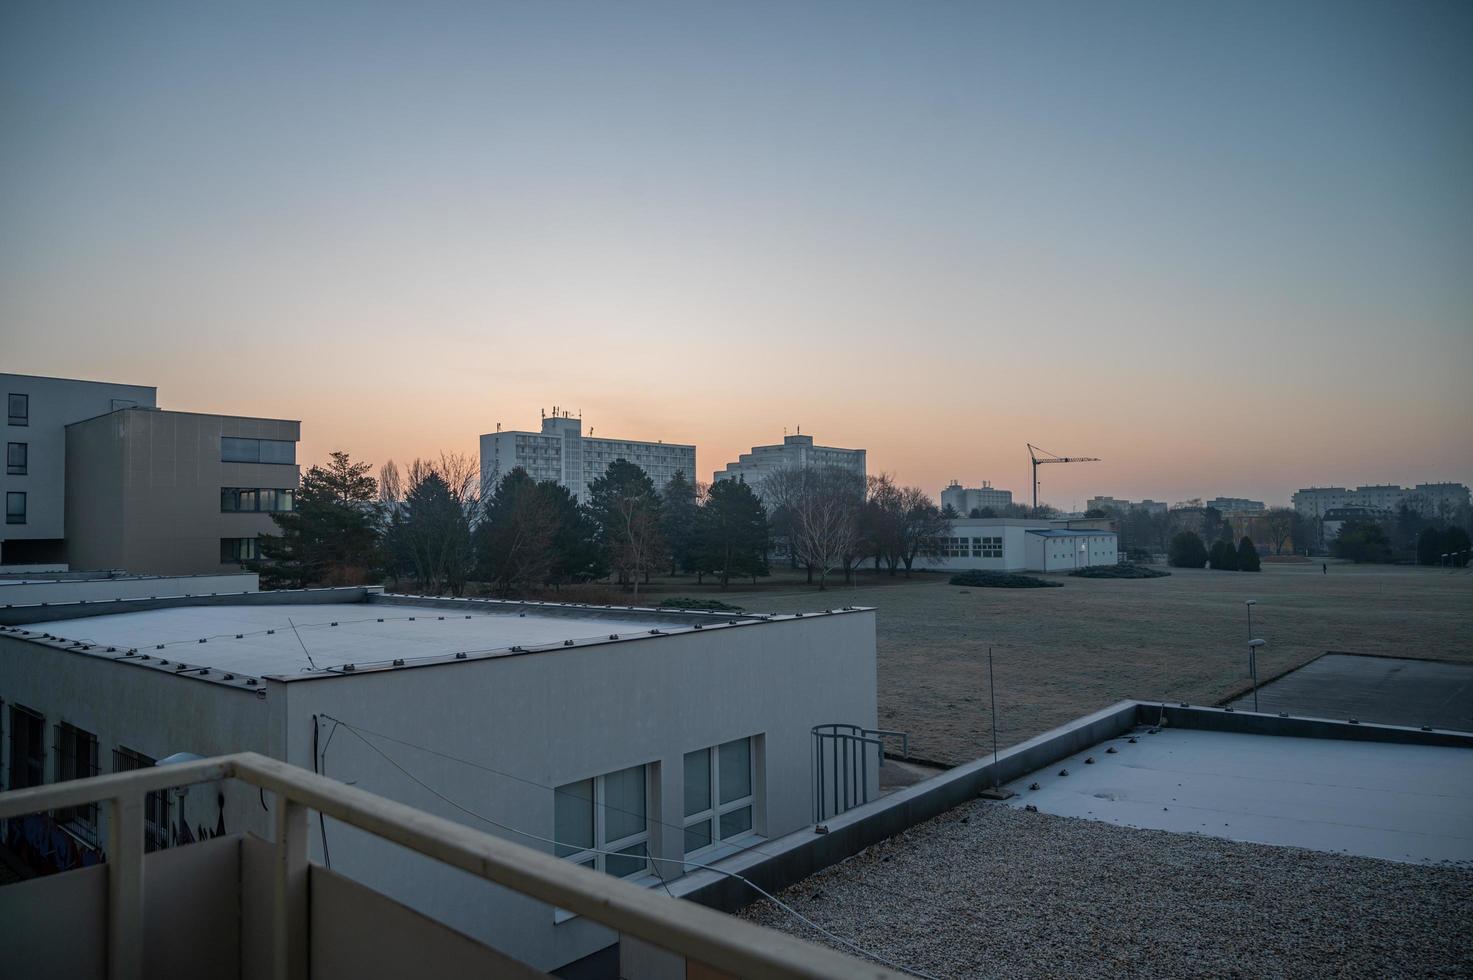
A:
x,y
256,500
987,547
155,804
607,813
27,748
718,794
76,758
233,450
239,549
15,507
19,409
17,458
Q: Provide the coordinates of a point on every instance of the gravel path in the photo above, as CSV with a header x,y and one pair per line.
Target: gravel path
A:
x,y
989,890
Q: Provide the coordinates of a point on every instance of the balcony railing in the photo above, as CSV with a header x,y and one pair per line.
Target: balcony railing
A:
x,y
711,943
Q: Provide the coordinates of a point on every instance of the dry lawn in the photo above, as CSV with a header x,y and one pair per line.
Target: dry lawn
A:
x,y
1060,653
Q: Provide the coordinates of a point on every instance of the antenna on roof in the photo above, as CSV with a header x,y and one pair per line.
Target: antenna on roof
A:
x,y
299,640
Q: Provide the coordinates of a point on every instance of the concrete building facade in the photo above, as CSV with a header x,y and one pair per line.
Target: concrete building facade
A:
x,y
1126,506
794,450
964,500
1427,499
1236,505
561,452
1014,545
34,482
175,493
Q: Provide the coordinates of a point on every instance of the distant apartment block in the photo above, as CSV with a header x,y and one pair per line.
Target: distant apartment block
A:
x,y
1427,499
1236,505
98,477
1126,506
964,500
795,450
561,452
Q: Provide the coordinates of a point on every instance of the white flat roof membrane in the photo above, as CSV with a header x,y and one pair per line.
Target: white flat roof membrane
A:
x,y
1411,803
407,632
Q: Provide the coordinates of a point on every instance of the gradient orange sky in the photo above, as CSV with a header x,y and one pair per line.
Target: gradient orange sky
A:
x,y
1226,250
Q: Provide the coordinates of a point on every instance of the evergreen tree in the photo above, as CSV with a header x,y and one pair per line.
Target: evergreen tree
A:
x,y
678,521
625,510
433,534
1362,541
1223,556
577,556
331,535
513,542
1186,551
732,532
1247,556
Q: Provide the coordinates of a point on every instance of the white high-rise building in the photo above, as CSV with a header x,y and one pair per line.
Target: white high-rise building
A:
x,y
964,500
796,450
1236,505
1427,499
563,453
1126,506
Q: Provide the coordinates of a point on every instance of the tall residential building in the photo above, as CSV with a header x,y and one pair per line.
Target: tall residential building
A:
x,y
38,412
1427,499
563,453
1126,506
796,450
1236,505
964,500
97,477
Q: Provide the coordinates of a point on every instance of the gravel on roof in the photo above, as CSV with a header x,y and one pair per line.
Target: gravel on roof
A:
x,y
988,890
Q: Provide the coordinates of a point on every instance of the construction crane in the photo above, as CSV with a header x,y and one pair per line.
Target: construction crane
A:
x,y
1049,457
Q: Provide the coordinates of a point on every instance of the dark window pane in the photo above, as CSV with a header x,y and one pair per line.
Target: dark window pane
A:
x,y
622,867
20,409
735,768
573,817
16,458
736,822
697,836
240,450
15,508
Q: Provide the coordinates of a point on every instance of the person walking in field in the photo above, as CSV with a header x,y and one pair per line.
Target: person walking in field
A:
x,y
1324,568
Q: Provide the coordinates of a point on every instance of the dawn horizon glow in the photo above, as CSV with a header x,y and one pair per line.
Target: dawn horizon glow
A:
x,y
1225,250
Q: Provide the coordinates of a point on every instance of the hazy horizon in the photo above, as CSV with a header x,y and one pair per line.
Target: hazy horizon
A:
x,y
1225,248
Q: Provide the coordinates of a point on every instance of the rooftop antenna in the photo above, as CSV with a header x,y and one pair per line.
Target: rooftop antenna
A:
x,y
299,640
995,791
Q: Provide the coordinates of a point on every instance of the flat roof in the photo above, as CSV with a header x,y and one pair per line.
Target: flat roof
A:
x,y
1384,690
1389,800
1061,532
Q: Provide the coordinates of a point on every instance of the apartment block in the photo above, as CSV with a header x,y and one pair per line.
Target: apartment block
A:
x,y
562,453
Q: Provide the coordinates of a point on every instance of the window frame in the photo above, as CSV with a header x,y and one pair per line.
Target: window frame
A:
x,y
712,815
23,467
36,753
156,805
76,758
594,857
235,555
23,515
25,402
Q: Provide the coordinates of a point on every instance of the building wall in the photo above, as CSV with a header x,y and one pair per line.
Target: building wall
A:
x,y
966,499
1022,551
1050,554
762,461
30,592
561,452
144,489
1427,499
53,403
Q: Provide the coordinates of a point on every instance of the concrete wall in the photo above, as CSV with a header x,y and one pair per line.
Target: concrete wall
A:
x,y
16,593
1048,554
144,490
54,403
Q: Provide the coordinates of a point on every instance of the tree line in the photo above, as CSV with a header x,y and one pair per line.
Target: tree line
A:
x,y
437,526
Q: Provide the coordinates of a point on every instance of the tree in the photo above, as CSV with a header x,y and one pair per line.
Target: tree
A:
x,y
1279,522
1432,544
731,535
921,524
330,537
1222,556
982,512
514,540
1362,541
1248,556
430,535
626,511
1186,551
821,513
678,516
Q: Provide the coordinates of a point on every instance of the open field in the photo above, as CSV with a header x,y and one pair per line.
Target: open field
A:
x,y
1060,653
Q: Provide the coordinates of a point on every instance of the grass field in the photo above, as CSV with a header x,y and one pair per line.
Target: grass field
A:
x,y
1060,653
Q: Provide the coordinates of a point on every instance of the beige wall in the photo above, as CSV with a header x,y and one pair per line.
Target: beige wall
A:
x,y
143,489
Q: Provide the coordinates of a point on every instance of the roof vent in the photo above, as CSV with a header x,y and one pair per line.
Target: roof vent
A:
x,y
460,656
240,636
270,632
567,643
202,639
613,636
439,617
349,668
250,682
398,662
517,650
333,624
381,619
179,667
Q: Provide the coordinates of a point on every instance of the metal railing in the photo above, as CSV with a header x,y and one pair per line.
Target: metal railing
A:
x,y
700,934
841,760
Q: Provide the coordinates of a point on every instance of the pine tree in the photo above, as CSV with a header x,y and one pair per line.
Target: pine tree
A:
x,y
1186,551
331,535
678,520
625,509
1247,556
732,532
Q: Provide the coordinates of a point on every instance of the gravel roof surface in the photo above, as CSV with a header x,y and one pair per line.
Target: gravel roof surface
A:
x,y
987,889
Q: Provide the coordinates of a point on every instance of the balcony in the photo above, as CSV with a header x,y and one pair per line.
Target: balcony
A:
x,y
240,906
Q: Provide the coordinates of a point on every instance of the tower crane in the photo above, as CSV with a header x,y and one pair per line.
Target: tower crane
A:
x,y
1049,457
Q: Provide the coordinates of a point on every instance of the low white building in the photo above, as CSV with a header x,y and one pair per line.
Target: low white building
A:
x,y
794,451
964,500
629,740
1013,545
561,452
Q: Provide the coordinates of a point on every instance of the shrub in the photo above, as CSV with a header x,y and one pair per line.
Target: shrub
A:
x,y
1362,541
1186,551
1247,556
686,602
1223,556
1001,580
1118,571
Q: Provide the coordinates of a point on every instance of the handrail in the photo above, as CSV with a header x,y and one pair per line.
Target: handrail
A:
x,y
693,931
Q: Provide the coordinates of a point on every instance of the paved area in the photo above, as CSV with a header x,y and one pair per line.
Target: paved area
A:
x,y
1396,802
1385,690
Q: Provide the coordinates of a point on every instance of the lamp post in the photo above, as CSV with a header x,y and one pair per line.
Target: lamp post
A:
x,y
1250,603
1253,646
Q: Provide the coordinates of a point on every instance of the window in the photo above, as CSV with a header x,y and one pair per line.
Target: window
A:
x,y
155,804
20,409
718,794
27,748
607,813
15,507
76,758
16,457
239,549
251,500
987,547
233,450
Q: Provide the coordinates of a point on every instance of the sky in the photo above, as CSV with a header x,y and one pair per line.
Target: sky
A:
x,y
1225,247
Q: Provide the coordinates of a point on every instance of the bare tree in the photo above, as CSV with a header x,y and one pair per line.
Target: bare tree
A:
x,y
824,505
1279,523
921,524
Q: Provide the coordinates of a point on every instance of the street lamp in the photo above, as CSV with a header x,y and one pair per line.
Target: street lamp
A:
x,y
1250,603
1253,646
